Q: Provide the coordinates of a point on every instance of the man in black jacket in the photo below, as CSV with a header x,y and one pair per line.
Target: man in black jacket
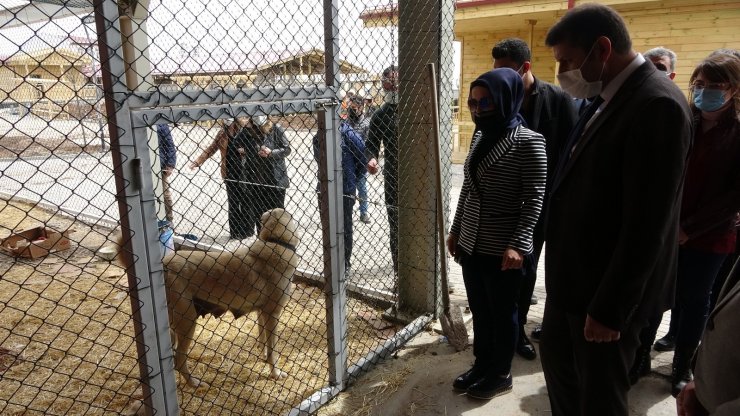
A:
x,y
612,223
384,131
548,110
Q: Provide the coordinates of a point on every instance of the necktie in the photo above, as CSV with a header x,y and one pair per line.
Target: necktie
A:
x,y
577,132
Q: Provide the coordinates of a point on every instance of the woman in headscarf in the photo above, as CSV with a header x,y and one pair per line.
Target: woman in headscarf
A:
x,y
500,202
230,143
265,168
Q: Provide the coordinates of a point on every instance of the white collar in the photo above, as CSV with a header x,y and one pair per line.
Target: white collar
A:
x,y
615,84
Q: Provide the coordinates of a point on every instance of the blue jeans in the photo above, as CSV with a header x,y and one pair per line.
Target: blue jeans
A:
x,y
362,192
348,204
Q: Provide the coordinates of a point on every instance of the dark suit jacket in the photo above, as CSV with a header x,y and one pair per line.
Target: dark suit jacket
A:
x,y
612,232
553,114
717,361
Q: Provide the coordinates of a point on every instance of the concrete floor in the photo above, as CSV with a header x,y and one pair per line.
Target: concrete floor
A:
x,y
418,380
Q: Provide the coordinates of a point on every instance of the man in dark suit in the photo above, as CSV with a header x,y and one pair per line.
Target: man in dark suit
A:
x,y
612,226
548,110
716,386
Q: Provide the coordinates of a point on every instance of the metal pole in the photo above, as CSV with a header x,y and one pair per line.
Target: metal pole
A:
x,y
98,90
147,294
332,208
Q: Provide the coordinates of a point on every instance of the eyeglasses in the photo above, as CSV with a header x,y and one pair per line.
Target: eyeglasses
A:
x,y
699,86
484,104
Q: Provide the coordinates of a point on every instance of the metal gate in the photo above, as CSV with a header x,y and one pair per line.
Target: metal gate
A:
x,y
215,112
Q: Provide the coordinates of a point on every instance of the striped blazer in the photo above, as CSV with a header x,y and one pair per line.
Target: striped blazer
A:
x,y
503,209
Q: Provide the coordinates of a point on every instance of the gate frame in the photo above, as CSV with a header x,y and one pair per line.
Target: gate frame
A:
x,y
132,112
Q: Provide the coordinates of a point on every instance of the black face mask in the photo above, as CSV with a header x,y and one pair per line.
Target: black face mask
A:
x,y
488,122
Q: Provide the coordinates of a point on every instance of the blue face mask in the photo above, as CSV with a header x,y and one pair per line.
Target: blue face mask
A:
x,y
709,99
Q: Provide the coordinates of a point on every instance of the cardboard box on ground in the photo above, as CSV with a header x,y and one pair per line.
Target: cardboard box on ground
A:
x,y
36,242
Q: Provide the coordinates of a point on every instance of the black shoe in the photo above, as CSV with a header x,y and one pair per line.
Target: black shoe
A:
x,y
533,300
537,333
490,387
524,346
641,366
667,343
680,372
467,379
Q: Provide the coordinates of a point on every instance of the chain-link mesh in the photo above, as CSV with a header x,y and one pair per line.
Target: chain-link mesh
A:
x,y
192,120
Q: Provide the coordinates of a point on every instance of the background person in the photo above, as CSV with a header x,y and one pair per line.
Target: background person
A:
x,y
501,198
232,148
613,211
383,132
167,163
266,172
548,110
353,166
360,124
710,205
664,60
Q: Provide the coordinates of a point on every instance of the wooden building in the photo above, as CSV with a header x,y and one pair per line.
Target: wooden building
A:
x,y
253,69
46,80
691,28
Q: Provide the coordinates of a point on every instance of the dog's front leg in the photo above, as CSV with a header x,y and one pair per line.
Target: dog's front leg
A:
x,y
183,326
262,322
270,335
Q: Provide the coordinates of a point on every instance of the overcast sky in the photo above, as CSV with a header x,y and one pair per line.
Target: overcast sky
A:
x,y
182,27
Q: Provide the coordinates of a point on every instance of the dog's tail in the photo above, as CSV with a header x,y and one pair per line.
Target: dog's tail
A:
x,y
125,259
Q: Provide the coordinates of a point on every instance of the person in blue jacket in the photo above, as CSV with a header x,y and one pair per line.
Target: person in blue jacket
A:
x,y
354,167
167,162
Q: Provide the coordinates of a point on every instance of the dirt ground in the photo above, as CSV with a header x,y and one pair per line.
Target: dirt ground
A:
x,y
67,344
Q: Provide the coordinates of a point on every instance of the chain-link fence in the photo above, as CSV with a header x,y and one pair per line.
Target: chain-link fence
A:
x,y
177,125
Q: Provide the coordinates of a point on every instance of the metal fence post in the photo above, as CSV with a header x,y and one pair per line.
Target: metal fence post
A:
x,y
152,329
332,209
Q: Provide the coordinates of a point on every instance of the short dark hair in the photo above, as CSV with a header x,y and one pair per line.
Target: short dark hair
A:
x,y
660,52
726,51
387,71
513,48
582,25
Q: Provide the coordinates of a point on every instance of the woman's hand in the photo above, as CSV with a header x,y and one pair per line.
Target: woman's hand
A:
x,y
264,151
372,167
452,244
512,259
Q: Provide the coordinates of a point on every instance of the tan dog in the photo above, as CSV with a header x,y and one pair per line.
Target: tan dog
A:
x,y
254,278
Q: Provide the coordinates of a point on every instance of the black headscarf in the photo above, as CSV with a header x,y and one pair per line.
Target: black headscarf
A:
x,y
507,93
